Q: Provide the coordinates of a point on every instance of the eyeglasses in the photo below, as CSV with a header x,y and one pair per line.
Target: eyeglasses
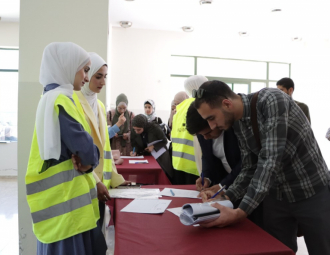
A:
x,y
200,92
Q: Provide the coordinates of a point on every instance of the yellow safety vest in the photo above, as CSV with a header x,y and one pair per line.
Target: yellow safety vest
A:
x,y
105,160
183,153
63,202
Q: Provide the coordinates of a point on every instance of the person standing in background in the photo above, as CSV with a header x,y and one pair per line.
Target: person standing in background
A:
x,y
121,140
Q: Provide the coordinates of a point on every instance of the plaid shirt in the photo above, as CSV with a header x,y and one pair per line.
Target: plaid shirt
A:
x,y
289,165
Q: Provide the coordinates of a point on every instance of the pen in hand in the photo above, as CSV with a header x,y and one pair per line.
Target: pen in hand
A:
x,y
224,186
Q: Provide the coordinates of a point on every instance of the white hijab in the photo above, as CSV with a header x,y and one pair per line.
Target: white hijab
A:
x,y
194,82
91,97
60,63
153,115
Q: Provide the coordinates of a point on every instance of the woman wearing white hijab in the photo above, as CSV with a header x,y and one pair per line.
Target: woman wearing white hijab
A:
x,y
150,111
95,114
63,200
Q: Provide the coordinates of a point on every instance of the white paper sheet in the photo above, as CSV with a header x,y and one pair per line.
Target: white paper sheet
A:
x,y
180,193
130,157
157,154
176,211
138,161
152,206
134,193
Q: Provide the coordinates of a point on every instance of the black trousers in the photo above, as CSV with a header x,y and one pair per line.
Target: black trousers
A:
x,y
281,220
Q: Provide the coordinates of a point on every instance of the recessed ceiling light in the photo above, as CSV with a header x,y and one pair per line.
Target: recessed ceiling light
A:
x,y
205,2
296,38
125,24
276,10
187,29
243,34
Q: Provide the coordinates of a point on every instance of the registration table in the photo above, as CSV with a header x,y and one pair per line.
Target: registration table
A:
x,y
164,234
150,173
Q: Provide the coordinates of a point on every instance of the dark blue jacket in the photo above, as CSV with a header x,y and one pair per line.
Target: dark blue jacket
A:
x,y
213,167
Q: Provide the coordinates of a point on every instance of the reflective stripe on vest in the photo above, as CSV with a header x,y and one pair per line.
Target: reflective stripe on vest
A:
x,y
107,175
52,181
107,155
183,152
183,141
65,207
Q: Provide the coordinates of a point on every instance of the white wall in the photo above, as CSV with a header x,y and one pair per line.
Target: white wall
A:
x,y
8,151
140,67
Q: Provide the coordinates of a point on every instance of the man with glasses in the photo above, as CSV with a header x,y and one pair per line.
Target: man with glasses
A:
x,y
284,167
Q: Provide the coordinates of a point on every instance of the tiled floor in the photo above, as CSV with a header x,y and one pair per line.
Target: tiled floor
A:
x,y
9,219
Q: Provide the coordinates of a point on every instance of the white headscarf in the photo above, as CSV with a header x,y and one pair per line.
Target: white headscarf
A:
x,y
151,116
60,63
91,97
194,82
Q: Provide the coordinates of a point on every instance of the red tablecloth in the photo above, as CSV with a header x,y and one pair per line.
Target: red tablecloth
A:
x,y
164,234
150,173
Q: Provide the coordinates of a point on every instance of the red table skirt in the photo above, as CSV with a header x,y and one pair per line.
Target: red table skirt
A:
x,y
150,173
164,234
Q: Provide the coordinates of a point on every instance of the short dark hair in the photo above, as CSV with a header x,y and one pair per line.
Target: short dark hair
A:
x,y
216,91
286,83
194,122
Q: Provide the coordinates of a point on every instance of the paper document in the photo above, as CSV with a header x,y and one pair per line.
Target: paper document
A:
x,y
157,154
201,212
176,211
153,206
138,161
131,157
134,193
154,142
180,193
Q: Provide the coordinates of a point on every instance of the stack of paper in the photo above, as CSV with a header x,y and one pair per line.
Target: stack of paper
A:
x,y
135,193
154,206
131,156
201,212
180,193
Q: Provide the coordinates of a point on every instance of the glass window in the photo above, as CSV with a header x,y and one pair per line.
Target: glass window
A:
x,y
256,86
8,105
231,68
9,59
241,88
182,65
272,84
278,71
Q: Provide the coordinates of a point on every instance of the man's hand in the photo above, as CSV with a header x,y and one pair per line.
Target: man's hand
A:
x,y
199,186
132,154
116,135
125,136
121,120
150,148
227,217
76,160
102,192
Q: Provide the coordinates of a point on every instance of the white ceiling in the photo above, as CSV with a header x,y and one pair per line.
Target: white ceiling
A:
x,y
298,18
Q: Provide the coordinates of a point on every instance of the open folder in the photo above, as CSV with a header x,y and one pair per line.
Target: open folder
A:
x,y
196,213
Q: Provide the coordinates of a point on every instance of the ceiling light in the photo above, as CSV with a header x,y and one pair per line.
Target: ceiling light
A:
x,y
187,29
205,2
276,10
243,34
125,24
296,38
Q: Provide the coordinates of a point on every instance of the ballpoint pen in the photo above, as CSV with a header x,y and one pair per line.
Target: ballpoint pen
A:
x,y
224,186
202,176
172,192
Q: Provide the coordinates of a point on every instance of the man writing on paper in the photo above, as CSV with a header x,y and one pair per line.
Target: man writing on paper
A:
x,y
285,170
